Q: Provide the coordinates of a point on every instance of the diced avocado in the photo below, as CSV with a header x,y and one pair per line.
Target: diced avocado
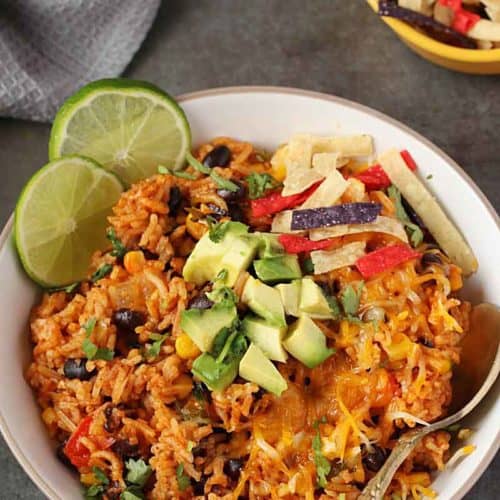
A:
x,y
276,269
256,368
217,376
234,252
313,300
265,336
203,325
269,245
237,257
290,297
306,342
264,301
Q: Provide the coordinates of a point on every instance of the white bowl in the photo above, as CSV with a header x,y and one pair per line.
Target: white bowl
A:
x,y
266,116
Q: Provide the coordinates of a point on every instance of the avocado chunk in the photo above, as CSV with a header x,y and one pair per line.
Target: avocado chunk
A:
x,y
203,325
265,336
269,245
234,250
276,269
290,297
313,300
306,342
263,300
216,376
256,368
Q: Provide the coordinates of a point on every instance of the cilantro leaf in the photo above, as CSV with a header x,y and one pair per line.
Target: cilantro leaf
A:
x,y
350,298
224,183
183,481
414,232
177,173
90,349
100,475
104,353
217,231
94,491
197,165
258,184
103,271
154,349
138,472
223,296
119,249
323,466
132,493
89,326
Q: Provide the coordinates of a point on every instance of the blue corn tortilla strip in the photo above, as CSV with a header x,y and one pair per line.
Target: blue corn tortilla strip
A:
x,y
347,213
433,28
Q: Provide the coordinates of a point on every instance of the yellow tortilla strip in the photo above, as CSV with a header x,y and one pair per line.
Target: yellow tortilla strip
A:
x,y
282,223
347,145
382,224
444,231
328,260
330,190
299,179
298,152
485,30
324,163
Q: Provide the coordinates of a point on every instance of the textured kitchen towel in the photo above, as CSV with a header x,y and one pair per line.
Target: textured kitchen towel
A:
x,y
49,48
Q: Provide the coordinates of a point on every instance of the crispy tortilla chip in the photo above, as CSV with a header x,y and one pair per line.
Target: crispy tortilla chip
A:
x,y
330,190
485,30
282,223
299,179
382,224
432,215
348,145
324,163
298,153
328,260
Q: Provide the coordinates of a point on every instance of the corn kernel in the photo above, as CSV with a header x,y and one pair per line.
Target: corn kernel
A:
x,y
279,172
185,347
402,315
134,261
88,479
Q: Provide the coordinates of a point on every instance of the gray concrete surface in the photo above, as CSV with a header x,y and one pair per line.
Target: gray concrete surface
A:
x,y
334,46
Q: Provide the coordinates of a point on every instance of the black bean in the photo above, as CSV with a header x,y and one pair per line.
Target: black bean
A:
x,y
218,157
217,212
111,424
174,200
426,342
414,217
62,456
374,459
232,196
199,486
236,213
200,302
125,450
148,254
259,394
75,368
431,258
232,468
128,319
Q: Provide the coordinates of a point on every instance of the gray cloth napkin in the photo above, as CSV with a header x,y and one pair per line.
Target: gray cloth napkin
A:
x,y
49,48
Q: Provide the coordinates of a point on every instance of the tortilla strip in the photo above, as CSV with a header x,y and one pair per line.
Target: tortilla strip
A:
x,y
282,223
330,190
324,163
299,179
328,260
382,224
346,145
444,231
485,30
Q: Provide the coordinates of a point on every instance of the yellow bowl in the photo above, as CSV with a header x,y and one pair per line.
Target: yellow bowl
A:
x,y
480,62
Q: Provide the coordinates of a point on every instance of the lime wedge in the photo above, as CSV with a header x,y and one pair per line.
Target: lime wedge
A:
x,y
129,127
60,219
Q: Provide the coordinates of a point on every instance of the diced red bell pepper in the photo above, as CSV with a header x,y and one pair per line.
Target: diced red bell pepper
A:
x,y
275,202
375,177
297,244
464,21
77,453
384,259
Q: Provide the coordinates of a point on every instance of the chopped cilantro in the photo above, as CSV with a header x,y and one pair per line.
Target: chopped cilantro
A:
x,y
429,177
334,305
177,173
67,288
96,490
163,170
414,232
138,472
217,231
154,349
323,466
224,183
132,493
103,271
350,298
258,184
90,349
119,249
183,481
223,296
100,476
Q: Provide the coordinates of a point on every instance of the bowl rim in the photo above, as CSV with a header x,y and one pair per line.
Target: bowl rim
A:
x,y
6,233
424,42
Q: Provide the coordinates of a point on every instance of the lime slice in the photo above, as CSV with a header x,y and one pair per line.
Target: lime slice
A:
x,y
129,127
60,219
